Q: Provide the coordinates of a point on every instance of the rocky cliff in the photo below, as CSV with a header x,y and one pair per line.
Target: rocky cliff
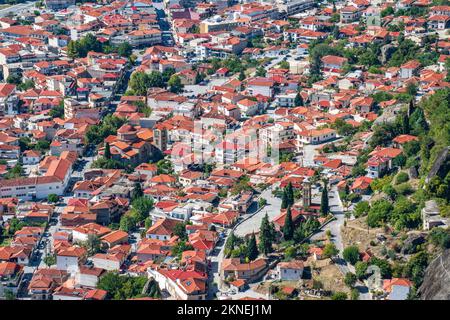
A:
x,y
436,283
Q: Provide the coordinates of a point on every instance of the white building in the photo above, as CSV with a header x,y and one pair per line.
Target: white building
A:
x,y
290,271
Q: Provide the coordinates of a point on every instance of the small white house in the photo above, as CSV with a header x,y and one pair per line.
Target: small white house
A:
x,y
31,157
110,262
292,270
69,258
88,276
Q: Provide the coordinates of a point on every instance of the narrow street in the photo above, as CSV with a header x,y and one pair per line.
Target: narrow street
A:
x,y
335,226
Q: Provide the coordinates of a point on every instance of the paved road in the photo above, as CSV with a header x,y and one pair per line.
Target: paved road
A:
x,y
17,8
217,256
337,210
335,226
253,223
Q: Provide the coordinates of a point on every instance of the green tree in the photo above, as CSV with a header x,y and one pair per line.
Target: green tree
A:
x,y
440,237
175,84
351,254
284,65
148,223
260,72
107,153
290,194
121,287
350,279
361,269
262,202
92,244
42,146
125,50
339,296
415,268
50,260
52,198
14,172
139,83
385,267
284,200
330,250
179,248
14,78
390,191
137,191
127,223
324,206
252,249
288,228
361,209
180,231
298,101
9,294
266,235
142,207
58,111
379,213
241,76
354,294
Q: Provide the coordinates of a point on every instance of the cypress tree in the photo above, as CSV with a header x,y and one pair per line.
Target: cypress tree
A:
x,y
324,206
107,153
405,123
241,76
288,228
298,101
252,249
290,194
137,191
284,200
266,235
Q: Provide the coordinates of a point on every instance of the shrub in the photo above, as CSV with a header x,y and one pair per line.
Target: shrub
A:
x,y
404,189
440,237
339,296
401,177
351,254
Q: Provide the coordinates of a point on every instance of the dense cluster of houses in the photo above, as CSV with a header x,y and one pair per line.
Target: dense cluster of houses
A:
x,y
230,127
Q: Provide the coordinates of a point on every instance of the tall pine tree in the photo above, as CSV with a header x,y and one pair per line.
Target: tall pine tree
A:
x,y
284,200
324,206
288,228
298,101
252,249
107,152
137,191
290,194
266,235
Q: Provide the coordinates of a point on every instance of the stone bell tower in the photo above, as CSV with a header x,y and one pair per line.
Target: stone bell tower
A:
x,y
306,194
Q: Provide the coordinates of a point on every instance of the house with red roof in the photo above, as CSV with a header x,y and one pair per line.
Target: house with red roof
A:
x,y
350,14
397,288
181,284
10,275
162,229
409,69
31,157
8,99
260,85
402,139
234,268
290,270
361,185
70,258
381,161
333,63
